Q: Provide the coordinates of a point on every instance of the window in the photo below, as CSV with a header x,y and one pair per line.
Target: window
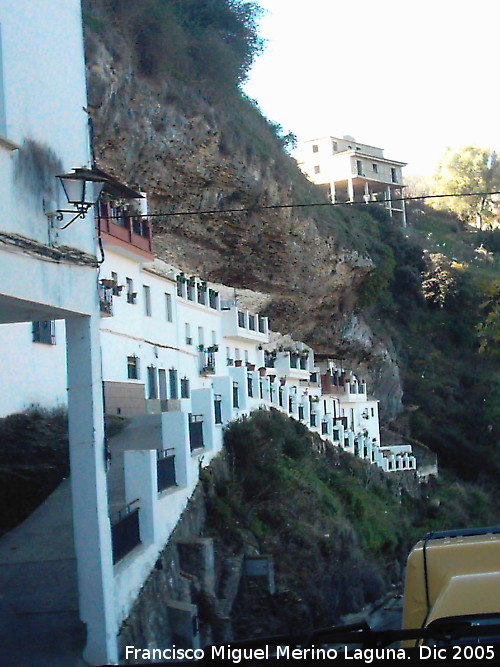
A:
x,y
373,412
172,380
236,397
315,148
201,336
116,288
237,353
168,307
3,119
394,176
152,390
218,408
375,168
316,169
147,300
214,338
162,383
131,295
189,340
359,167
133,367
335,146
44,332
184,388
246,356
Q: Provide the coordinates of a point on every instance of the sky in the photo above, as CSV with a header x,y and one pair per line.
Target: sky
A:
x,y
410,77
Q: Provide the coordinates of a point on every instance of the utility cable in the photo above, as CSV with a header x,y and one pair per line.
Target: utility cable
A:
x,y
257,207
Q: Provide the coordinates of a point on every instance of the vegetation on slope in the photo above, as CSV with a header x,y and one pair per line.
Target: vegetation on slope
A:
x,y
193,40
338,528
436,290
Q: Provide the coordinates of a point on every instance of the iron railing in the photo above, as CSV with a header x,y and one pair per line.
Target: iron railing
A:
x,y
196,432
125,531
165,469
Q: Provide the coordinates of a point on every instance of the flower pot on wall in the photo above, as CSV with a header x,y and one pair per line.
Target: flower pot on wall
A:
x,y
262,372
238,362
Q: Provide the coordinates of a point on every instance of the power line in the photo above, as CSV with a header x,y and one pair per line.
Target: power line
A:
x,y
256,208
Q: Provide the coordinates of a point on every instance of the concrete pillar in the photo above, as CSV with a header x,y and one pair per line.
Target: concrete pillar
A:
x,y
141,483
92,531
388,197
203,403
403,206
175,434
332,192
367,193
350,189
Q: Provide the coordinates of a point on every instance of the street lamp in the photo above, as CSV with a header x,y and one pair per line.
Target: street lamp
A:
x,y
82,188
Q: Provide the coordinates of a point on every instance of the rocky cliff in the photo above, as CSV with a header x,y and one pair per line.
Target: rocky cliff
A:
x,y
192,150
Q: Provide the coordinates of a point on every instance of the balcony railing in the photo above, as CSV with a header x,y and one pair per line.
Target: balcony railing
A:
x,y
196,432
165,468
125,532
120,224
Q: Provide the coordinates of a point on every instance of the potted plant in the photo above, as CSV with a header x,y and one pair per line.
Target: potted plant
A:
x,y
238,362
262,371
251,367
201,347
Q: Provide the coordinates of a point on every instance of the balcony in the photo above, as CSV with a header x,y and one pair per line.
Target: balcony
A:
x,y
207,363
165,469
105,300
196,432
119,224
125,532
243,325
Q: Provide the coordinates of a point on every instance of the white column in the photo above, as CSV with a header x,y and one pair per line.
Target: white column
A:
x,y
367,193
350,189
403,206
92,531
332,191
388,197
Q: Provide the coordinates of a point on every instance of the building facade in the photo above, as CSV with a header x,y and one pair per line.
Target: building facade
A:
x,y
353,172
49,270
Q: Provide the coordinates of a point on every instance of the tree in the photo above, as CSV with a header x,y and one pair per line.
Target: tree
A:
x,y
469,169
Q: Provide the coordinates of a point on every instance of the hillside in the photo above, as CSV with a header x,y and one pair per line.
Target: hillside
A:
x,y
169,117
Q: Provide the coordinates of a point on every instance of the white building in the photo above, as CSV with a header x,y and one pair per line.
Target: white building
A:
x,y
353,172
50,273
